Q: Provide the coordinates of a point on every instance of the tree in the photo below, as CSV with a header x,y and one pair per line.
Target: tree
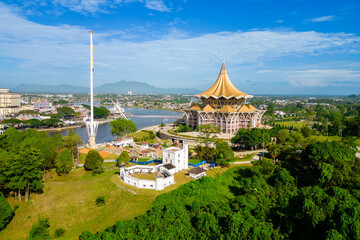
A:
x,y
71,142
335,126
183,128
224,153
124,157
25,172
65,112
6,211
64,162
121,127
208,134
328,164
306,131
34,123
58,141
274,150
40,231
282,135
101,112
93,160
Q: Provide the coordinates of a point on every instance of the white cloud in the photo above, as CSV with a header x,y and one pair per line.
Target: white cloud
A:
x,y
280,21
157,5
322,19
87,6
266,71
324,77
61,53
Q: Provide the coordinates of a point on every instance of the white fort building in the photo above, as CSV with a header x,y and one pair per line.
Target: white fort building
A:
x,y
174,160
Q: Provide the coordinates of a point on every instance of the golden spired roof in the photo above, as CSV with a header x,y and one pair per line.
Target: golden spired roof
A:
x,y
227,109
195,107
244,108
251,107
223,87
208,108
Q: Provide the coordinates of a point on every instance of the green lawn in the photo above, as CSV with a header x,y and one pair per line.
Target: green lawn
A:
x,y
293,124
244,158
194,161
147,176
69,203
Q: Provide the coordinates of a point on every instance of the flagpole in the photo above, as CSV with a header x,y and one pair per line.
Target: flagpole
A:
x,y
91,86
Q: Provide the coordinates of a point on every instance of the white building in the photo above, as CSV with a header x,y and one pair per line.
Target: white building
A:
x,y
124,142
177,156
174,160
197,172
9,102
163,178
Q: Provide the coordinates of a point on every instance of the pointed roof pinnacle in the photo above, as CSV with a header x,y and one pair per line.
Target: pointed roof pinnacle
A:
x,y
223,87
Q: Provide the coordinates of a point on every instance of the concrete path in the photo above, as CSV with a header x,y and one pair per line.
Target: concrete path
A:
x,y
243,162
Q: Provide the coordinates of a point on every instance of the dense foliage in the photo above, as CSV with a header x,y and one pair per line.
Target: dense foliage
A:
x,y
123,157
6,212
26,156
268,201
121,127
64,162
93,160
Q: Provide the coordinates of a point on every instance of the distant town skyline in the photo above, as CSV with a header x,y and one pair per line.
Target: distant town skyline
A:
x,y
270,47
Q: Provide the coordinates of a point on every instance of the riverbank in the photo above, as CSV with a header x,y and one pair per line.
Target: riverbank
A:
x,y
166,109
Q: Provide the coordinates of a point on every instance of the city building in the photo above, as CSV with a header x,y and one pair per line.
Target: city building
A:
x,y
224,106
9,102
42,105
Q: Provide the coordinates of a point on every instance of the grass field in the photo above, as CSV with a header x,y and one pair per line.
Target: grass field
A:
x,y
147,176
142,135
69,203
293,124
243,158
194,161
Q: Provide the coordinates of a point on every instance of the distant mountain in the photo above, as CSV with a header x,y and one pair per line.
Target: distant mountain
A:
x,y
140,88
121,87
35,88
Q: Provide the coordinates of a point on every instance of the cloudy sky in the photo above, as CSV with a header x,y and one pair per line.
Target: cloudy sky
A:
x,y
270,47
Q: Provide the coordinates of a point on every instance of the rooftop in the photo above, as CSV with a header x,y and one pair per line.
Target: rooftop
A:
x,y
223,88
197,170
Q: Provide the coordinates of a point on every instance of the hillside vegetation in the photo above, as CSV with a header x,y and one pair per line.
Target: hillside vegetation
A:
x,y
313,195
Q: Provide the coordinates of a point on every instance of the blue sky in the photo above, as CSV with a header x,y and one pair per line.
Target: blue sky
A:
x,y
270,47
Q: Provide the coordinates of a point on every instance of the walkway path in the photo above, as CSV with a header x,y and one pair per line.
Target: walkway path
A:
x,y
250,152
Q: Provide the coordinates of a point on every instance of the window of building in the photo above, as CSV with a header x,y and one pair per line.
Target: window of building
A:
x,y
144,185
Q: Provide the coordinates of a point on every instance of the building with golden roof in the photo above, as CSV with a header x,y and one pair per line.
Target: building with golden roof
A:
x,y
225,106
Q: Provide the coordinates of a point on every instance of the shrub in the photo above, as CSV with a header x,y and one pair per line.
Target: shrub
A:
x,y
40,230
59,232
100,200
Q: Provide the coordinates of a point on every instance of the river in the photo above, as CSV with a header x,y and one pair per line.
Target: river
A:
x,y
140,116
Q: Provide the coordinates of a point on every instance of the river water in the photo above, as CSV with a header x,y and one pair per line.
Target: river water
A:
x,y
140,116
